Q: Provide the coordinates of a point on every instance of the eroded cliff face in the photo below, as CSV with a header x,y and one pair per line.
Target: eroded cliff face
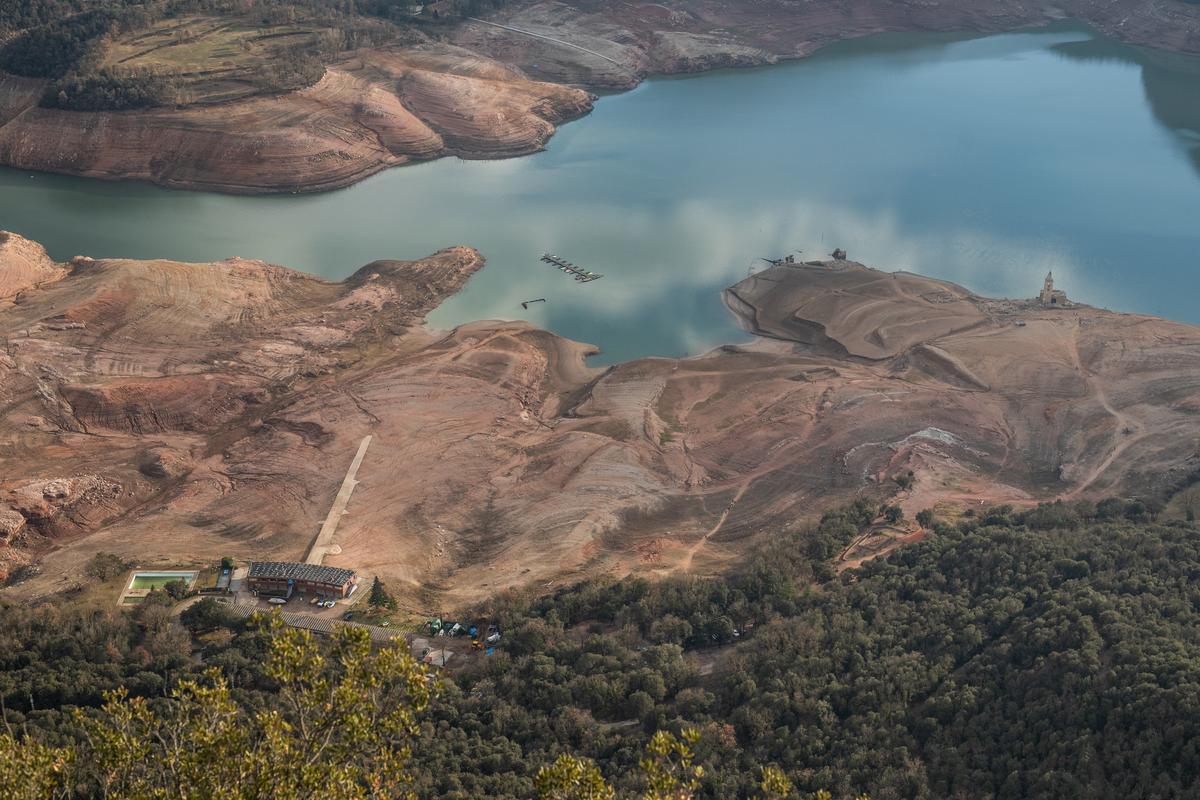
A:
x,y
373,111
177,412
26,264
618,44
497,88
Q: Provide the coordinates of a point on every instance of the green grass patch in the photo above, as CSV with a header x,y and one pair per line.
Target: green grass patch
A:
x,y
214,59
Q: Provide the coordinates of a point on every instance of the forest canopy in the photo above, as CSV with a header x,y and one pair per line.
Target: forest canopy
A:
x,y
125,54
1053,653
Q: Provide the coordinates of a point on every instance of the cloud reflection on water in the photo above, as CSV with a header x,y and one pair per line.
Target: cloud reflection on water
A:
x,y
986,161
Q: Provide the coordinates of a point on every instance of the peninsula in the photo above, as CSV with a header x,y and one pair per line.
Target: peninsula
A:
x,y
171,411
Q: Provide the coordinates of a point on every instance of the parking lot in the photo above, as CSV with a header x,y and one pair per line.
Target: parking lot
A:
x,y
299,603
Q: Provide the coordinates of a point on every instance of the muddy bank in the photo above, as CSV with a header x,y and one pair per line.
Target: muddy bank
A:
x,y
177,412
377,110
496,88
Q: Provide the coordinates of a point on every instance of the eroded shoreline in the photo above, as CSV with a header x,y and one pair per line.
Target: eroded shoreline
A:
x,y
489,92
167,411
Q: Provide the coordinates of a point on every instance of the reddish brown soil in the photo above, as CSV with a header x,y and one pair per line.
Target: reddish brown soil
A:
x,y
492,91
376,110
179,412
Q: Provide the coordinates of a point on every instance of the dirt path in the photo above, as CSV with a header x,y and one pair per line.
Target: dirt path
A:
x,y
549,39
1124,423
686,564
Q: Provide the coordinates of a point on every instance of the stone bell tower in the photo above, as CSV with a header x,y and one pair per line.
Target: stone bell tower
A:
x,y
1051,297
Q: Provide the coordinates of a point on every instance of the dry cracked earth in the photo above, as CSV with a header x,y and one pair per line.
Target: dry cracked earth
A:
x,y
173,413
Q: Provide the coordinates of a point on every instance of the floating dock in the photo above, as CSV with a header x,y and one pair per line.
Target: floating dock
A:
x,y
579,273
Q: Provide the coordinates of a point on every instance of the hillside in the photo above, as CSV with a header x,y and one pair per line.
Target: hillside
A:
x,y
174,412
309,95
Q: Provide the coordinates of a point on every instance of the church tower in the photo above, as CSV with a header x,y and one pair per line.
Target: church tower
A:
x,y
1051,296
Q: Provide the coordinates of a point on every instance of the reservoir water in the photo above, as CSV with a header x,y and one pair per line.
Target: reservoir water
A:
x,y
985,160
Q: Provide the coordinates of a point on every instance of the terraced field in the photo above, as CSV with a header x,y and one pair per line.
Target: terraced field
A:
x,y
220,58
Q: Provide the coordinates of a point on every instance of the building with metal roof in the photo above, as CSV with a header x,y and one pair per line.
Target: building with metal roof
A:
x,y
285,577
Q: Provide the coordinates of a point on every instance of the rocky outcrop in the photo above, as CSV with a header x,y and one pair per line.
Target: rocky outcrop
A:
x,y
23,264
192,410
172,403
163,462
63,506
11,522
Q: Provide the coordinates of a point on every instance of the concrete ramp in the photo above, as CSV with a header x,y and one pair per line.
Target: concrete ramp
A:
x,y
324,541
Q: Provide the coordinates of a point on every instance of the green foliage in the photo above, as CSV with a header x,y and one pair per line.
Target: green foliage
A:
x,y
53,49
66,40
107,90
999,660
30,770
207,615
572,778
341,728
774,784
669,767
176,590
105,566
380,598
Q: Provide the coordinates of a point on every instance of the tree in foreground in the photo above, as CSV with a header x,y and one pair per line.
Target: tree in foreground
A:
x,y
342,730
667,767
572,778
32,771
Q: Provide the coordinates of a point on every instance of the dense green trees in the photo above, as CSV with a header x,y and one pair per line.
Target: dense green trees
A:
x,y
339,728
1053,653
55,48
993,660
65,40
104,90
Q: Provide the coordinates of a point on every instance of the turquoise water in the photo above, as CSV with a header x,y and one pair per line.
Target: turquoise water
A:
x,y
986,161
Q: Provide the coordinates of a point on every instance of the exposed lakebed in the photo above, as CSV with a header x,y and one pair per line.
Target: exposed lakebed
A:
x,y
987,161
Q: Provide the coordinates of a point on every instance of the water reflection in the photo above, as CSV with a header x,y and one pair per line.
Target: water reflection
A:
x,y
982,160
1171,83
